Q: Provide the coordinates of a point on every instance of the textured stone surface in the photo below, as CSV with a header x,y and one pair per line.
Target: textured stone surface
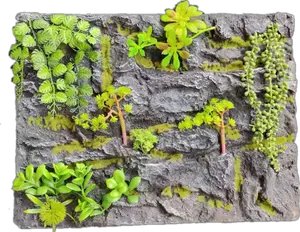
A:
x,y
164,97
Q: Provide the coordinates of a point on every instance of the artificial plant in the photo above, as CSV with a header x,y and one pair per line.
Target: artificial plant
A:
x,y
143,139
110,103
63,79
182,27
213,115
267,47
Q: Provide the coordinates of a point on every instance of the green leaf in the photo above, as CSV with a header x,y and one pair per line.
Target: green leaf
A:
x,y
47,98
44,73
55,58
115,194
71,91
90,188
16,53
79,56
94,56
111,183
60,97
59,70
70,21
133,51
81,37
38,59
83,25
65,35
29,172
87,179
70,77
32,211
40,24
73,187
95,32
91,40
85,214
49,48
16,79
45,87
57,19
84,73
35,200
119,176
85,90
133,199
64,189
67,202
21,29
176,62
60,84
30,191
97,212
128,108
25,53
78,181
134,183
16,68
41,190
166,61
83,102
42,37
28,41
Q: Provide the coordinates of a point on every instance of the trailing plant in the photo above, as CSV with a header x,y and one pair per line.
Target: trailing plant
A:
x,y
106,76
54,123
118,186
143,140
269,48
64,81
180,21
109,101
213,115
51,213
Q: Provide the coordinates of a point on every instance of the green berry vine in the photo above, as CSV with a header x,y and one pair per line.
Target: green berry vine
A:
x,y
269,48
64,79
109,101
213,115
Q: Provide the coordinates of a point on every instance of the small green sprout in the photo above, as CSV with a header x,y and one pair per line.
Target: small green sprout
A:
x,y
144,139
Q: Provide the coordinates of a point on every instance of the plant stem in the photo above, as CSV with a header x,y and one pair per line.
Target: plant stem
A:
x,y
53,228
122,121
202,31
222,134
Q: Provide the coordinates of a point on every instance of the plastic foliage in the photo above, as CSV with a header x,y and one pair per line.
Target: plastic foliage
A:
x,y
119,187
110,103
213,115
143,140
269,48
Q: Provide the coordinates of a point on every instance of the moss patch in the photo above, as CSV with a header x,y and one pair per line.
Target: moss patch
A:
x,y
106,65
161,128
103,163
183,192
236,65
123,31
167,192
97,142
214,203
144,61
238,178
201,198
157,154
54,123
266,206
233,134
233,42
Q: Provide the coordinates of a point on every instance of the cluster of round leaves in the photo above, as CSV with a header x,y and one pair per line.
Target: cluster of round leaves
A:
x,y
180,21
108,101
212,115
65,81
119,187
269,48
143,139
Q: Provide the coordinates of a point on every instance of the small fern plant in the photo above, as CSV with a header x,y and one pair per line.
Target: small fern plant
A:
x,y
64,79
269,48
212,115
110,103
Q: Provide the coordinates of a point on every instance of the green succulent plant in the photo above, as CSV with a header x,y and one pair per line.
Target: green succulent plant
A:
x,y
119,187
143,139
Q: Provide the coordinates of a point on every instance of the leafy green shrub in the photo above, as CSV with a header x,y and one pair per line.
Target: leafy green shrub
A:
x,y
213,115
118,186
269,48
143,140
180,21
110,102
64,80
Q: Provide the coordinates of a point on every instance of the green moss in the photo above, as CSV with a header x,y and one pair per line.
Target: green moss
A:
x,y
266,206
97,142
54,123
110,21
183,192
280,141
103,163
157,154
236,65
291,98
211,203
201,198
161,128
167,192
219,204
233,42
75,146
123,31
238,178
106,76
233,134
144,61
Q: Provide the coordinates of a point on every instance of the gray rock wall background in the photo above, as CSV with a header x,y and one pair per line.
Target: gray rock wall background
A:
x,y
164,97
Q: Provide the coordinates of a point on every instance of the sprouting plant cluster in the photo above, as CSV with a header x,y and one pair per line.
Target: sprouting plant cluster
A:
x,y
64,80
269,48
212,115
143,139
181,28
63,182
110,103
